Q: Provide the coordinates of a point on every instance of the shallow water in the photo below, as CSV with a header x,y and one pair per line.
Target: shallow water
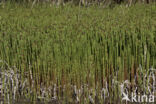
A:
x,y
23,101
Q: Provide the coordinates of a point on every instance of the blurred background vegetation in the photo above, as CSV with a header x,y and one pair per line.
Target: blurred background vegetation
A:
x,y
83,2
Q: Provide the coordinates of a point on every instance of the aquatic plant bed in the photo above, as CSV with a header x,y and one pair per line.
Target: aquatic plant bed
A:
x,y
71,55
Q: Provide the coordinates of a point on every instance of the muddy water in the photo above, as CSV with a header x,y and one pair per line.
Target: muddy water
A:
x,y
22,101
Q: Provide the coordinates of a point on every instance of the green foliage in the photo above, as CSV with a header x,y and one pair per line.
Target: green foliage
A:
x,y
72,45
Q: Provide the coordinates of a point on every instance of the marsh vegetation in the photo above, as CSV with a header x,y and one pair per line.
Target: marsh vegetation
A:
x,y
72,54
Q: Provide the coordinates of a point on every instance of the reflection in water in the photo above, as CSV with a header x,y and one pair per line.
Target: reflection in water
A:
x,y
1,102
16,90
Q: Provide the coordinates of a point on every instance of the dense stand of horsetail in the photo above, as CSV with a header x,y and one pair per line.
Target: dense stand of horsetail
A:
x,y
77,55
